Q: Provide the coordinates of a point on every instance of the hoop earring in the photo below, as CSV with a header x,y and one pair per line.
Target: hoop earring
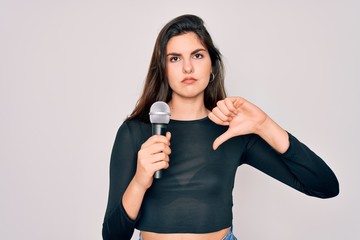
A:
x,y
212,77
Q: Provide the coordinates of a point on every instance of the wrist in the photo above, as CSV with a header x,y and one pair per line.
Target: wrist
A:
x,y
274,135
140,184
265,127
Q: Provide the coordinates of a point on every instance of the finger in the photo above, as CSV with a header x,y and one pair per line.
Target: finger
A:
x,y
222,106
157,148
216,120
154,158
159,165
168,136
221,139
167,150
160,157
237,101
219,114
155,139
229,102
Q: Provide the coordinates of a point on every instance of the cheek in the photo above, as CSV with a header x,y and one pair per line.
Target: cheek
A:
x,y
209,65
172,72
206,67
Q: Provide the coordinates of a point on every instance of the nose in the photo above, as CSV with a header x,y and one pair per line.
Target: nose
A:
x,y
188,67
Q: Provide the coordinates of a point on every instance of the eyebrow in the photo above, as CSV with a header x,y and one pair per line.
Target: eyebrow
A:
x,y
193,52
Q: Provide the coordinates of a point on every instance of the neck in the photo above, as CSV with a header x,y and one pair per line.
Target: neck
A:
x,y
187,109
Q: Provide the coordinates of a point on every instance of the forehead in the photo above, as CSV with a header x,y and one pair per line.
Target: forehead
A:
x,y
183,43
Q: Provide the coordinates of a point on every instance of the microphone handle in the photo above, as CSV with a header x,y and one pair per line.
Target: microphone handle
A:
x,y
159,129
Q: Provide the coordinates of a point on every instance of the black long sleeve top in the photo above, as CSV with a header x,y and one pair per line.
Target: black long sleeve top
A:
x,y
194,194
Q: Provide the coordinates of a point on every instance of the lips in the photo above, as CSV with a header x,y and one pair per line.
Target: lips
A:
x,y
188,80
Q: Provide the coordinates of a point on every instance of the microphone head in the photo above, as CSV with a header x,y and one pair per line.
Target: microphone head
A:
x,y
159,112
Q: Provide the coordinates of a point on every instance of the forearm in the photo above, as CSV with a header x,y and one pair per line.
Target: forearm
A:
x,y
298,167
132,199
119,222
274,135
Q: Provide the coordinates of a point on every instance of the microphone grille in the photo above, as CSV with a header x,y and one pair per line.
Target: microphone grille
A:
x,y
160,112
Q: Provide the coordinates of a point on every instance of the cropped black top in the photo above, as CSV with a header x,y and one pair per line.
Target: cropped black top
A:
x,y
194,194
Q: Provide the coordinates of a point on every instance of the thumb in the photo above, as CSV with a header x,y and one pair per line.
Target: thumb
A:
x,y
221,139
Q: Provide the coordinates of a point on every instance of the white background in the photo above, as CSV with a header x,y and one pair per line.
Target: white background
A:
x,y
71,71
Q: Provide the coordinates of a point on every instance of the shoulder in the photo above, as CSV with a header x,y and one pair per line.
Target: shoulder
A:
x,y
135,130
135,125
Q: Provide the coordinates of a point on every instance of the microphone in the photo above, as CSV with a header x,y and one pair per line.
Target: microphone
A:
x,y
159,118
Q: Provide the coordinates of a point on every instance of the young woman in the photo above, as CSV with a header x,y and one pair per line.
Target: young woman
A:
x,y
209,136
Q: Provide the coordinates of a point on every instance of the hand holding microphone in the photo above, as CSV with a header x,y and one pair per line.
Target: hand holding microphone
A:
x,y
153,155
159,118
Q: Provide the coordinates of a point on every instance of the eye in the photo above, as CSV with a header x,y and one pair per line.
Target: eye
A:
x,y
174,59
198,55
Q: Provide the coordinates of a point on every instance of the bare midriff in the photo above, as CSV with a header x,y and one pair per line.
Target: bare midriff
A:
x,y
185,236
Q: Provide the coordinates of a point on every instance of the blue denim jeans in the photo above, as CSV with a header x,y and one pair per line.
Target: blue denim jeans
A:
x,y
229,236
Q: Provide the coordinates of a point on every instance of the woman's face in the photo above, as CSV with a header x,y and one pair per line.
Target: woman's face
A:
x,y
188,66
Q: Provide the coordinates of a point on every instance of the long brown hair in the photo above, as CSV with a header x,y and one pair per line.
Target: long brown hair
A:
x,y
156,87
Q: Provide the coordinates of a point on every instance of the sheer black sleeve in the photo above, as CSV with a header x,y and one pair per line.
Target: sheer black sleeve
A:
x,y
299,167
117,225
